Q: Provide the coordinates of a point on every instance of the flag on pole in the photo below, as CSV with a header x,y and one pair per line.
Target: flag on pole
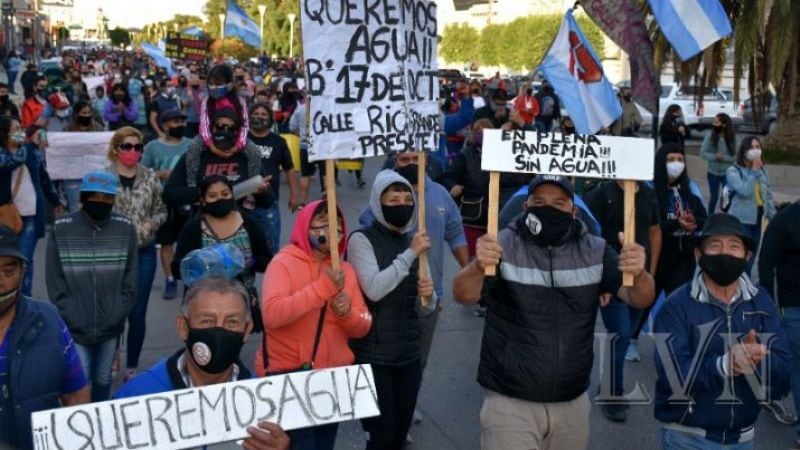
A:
x,y
691,26
624,22
575,72
239,24
159,57
193,31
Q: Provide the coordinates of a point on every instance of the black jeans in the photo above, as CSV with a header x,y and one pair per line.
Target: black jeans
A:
x,y
397,389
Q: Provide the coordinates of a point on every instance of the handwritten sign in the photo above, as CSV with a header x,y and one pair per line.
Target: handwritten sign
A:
x,y
71,155
194,417
572,155
372,76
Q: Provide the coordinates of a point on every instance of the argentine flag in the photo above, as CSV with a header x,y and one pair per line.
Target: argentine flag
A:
x,y
159,57
239,24
691,25
575,72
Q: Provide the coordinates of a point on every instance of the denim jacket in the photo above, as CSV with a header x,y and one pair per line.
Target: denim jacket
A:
x,y
743,204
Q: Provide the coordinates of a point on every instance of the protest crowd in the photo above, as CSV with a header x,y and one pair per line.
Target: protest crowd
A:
x,y
188,182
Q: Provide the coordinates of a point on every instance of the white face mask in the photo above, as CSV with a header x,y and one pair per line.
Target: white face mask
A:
x,y
753,154
675,169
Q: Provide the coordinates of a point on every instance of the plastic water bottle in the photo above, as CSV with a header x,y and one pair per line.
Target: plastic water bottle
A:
x,y
247,187
221,260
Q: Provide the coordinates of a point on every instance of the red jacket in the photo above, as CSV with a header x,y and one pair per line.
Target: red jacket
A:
x,y
295,287
527,107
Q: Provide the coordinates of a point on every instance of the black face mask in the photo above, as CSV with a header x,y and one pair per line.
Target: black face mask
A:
x,y
4,98
529,91
397,216
547,225
569,130
722,269
409,172
224,139
260,124
119,98
177,132
627,97
214,350
84,120
98,211
219,208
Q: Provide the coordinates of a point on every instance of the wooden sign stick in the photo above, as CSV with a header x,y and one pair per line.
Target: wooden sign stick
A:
x,y
421,226
629,187
494,212
333,228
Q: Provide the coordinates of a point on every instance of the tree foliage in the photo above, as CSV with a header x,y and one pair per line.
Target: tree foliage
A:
x,y
518,45
459,44
119,37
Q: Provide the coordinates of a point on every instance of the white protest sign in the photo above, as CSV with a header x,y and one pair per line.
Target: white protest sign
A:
x,y
71,155
572,155
93,82
372,77
194,417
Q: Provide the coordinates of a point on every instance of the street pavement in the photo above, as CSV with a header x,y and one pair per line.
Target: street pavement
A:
x,y
450,398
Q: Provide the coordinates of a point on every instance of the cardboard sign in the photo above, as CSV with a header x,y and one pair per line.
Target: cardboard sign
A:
x,y
571,155
194,417
70,156
372,77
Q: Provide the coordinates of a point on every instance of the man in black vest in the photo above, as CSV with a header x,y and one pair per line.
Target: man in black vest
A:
x,y
45,371
536,354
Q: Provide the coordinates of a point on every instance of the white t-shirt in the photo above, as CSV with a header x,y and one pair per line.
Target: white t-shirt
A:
x,y
25,200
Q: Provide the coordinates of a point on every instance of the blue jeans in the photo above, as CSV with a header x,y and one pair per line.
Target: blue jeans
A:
x,y
715,183
543,125
72,190
322,437
755,232
676,440
27,245
622,320
148,261
791,326
269,220
97,360
12,80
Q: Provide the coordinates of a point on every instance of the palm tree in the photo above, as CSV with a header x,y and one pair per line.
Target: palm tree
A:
x,y
766,44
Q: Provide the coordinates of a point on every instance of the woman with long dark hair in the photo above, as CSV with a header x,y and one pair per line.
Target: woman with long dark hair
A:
x,y
752,190
672,127
719,149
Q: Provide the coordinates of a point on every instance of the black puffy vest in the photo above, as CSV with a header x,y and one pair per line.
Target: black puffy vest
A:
x,y
394,339
542,307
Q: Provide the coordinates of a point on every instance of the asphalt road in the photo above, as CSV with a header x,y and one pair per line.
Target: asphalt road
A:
x,y
450,398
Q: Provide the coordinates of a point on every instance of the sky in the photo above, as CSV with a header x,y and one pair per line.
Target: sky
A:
x,y
137,13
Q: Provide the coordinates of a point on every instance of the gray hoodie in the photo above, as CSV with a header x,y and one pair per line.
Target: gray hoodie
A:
x,y
376,283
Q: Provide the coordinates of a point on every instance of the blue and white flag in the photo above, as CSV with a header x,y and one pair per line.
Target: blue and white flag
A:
x,y
239,24
159,57
193,31
691,25
575,72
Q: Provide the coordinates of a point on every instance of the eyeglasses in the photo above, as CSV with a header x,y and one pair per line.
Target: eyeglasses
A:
x,y
225,127
127,146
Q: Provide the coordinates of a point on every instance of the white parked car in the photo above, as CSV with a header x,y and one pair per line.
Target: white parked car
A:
x,y
698,110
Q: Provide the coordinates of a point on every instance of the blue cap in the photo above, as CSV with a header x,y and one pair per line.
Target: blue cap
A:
x,y
97,181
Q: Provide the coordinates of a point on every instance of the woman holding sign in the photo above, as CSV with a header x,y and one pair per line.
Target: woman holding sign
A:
x,y
311,310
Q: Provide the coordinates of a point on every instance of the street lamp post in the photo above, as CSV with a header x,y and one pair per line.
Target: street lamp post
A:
x,y
222,26
262,9
291,17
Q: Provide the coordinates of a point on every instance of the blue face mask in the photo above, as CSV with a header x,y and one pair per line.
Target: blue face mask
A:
x,y
217,92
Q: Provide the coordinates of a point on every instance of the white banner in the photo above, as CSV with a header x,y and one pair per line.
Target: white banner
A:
x,y
194,417
93,82
70,156
372,76
572,155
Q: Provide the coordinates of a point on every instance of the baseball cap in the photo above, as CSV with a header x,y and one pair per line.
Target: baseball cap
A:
x,y
723,224
9,244
558,180
170,114
97,181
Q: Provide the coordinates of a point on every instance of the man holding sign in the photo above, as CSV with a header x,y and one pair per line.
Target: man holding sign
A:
x,y
214,322
536,355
